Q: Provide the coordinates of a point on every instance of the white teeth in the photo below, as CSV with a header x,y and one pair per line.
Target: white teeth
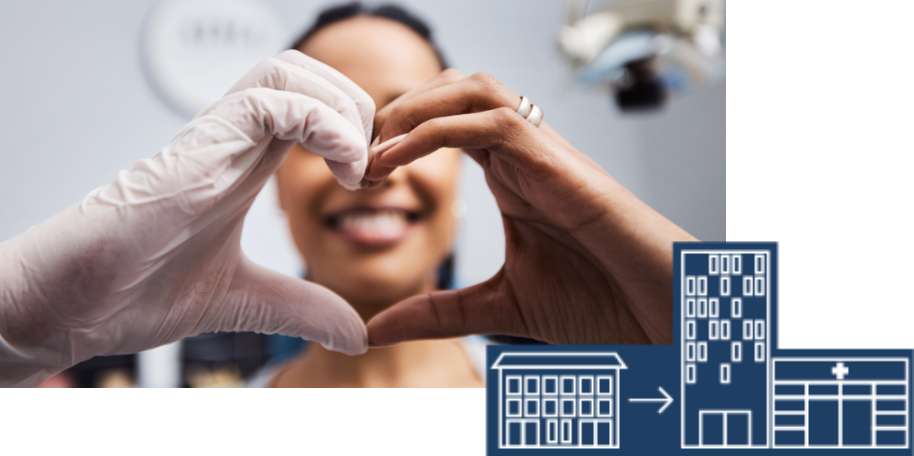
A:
x,y
374,221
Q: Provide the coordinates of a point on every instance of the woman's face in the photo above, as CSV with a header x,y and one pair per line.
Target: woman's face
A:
x,y
373,247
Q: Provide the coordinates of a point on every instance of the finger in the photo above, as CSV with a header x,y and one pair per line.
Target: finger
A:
x,y
446,77
267,302
363,101
478,83
479,92
500,129
282,75
365,183
260,112
379,170
481,82
480,309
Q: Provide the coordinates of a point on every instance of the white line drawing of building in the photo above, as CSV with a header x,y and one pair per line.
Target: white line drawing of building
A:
x,y
725,308
840,402
558,400
736,394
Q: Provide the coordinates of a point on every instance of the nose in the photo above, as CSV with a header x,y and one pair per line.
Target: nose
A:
x,y
396,178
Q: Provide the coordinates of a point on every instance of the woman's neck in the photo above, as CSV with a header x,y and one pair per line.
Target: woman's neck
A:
x,y
421,364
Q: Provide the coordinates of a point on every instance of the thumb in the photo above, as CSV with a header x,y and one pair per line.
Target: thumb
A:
x,y
479,309
267,302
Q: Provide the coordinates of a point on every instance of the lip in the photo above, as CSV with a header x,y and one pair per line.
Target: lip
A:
x,y
373,226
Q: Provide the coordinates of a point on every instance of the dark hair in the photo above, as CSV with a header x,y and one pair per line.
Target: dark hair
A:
x,y
393,12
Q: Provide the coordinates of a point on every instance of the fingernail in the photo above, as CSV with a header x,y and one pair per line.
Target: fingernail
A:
x,y
384,146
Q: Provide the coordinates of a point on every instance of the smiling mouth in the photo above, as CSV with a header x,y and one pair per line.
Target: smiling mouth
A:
x,y
373,227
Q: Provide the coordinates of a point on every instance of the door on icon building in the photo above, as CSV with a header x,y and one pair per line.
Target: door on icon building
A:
x,y
523,432
846,423
532,433
596,433
725,428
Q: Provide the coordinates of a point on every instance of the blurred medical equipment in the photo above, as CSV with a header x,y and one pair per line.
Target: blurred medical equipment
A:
x,y
645,50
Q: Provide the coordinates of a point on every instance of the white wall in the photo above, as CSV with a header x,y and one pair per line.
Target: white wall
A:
x,y
77,108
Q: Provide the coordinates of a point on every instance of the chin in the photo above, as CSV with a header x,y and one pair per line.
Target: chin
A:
x,y
377,289
377,284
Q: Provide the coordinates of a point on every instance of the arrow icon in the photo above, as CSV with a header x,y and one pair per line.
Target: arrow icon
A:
x,y
666,399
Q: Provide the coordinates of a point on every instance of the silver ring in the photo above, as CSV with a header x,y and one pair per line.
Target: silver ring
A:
x,y
536,115
524,109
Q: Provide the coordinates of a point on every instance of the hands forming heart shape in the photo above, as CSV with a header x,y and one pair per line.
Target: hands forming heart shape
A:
x,y
586,262
155,256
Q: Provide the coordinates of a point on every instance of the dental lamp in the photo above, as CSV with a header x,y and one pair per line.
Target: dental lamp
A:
x,y
645,50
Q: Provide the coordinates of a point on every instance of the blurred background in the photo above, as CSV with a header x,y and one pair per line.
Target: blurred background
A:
x,y
92,86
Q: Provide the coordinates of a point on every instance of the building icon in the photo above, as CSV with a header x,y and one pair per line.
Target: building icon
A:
x,y
840,402
558,400
738,390
726,309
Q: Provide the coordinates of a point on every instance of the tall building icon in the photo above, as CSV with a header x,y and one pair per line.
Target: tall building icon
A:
x,y
726,309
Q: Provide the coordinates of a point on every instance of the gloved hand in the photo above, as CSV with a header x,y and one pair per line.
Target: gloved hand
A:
x,y
155,256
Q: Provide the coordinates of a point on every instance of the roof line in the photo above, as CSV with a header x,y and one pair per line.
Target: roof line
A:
x,y
502,355
622,364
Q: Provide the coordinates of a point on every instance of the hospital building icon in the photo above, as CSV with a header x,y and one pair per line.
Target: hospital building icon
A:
x,y
840,403
558,399
739,391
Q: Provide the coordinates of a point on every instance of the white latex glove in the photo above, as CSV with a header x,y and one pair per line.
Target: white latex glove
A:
x,y
155,256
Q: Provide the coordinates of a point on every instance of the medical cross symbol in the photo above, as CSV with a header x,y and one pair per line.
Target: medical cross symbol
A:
x,y
840,371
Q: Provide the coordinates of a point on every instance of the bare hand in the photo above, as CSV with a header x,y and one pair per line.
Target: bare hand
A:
x,y
586,261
